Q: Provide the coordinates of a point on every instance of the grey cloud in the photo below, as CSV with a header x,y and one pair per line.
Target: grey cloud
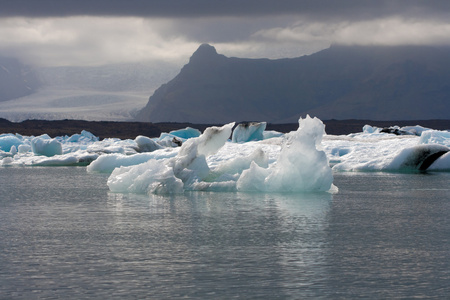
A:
x,y
200,8
119,30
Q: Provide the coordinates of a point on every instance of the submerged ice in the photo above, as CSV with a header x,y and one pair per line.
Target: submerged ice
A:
x,y
245,157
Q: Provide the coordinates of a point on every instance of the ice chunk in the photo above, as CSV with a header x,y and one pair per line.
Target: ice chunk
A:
x,y
13,150
44,145
24,148
153,176
108,162
416,130
168,140
176,174
249,131
57,160
9,140
301,166
84,137
435,137
7,161
186,133
418,157
176,138
370,129
190,163
238,164
441,164
253,179
268,134
145,144
406,130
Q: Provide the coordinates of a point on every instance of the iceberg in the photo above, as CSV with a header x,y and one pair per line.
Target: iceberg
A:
x,y
108,162
84,137
176,138
405,130
419,157
146,144
300,167
46,146
435,137
9,140
250,131
246,159
442,164
373,150
176,174
186,133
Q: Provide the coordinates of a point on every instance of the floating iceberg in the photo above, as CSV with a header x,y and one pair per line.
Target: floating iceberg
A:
x,y
257,160
419,157
146,144
9,140
44,145
373,150
300,166
176,174
406,130
246,132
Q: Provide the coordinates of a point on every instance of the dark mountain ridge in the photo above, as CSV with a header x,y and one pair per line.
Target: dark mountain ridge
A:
x,y
341,82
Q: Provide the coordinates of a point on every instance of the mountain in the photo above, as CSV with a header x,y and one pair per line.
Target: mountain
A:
x,y
341,82
16,79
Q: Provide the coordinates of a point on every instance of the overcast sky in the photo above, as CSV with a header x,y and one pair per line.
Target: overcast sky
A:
x,y
94,32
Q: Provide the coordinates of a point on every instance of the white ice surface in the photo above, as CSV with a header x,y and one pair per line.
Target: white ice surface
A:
x,y
301,166
290,162
380,151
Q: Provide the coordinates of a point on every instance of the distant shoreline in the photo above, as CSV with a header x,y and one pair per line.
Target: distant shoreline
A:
x,y
129,130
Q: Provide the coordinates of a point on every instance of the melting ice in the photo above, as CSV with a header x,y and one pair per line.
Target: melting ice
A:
x,y
247,158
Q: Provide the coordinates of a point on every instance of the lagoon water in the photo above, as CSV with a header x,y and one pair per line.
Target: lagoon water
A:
x,y
64,235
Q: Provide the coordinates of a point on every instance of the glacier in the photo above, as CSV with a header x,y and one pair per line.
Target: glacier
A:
x,y
235,158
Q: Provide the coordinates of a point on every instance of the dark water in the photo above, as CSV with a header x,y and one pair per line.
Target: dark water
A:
x,y
383,236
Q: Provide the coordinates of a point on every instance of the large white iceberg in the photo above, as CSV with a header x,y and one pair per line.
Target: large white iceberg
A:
x,y
300,166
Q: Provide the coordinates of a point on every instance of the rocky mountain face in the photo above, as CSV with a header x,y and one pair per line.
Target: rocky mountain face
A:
x,y
341,82
16,80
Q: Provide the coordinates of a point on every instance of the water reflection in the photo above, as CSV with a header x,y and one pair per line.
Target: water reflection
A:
x,y
264,245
